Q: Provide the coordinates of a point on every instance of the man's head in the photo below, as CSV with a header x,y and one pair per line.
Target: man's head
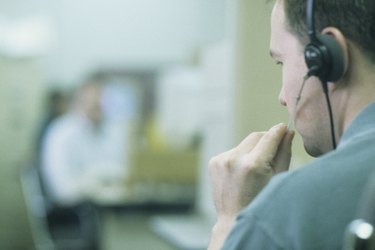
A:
x,y
354,18
89,99
57,103
349,94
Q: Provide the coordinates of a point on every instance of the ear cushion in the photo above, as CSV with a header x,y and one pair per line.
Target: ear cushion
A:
x,y
334,62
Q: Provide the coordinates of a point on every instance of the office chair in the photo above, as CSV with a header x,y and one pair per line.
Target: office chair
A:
x,y
47,232
360,234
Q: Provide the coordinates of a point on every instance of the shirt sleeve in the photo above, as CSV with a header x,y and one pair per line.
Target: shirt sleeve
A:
x,y
258,226
247,234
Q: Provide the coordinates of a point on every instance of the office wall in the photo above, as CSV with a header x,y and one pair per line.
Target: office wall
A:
x,y
257,78
20,101
131,33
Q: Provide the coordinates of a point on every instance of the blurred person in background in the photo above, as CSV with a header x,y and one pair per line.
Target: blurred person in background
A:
x,y
83,149
82,153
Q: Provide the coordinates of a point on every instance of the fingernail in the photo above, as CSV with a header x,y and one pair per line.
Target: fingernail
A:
x,y
280,125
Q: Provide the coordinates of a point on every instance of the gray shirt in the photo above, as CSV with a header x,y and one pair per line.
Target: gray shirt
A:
x,y
310,208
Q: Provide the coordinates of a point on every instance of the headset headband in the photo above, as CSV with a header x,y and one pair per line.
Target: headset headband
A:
x,y
310,20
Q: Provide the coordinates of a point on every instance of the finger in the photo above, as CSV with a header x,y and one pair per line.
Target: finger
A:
x,y
248,143
266,149
282,160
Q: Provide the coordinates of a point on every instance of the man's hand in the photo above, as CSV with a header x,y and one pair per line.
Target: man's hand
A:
x,y
238,175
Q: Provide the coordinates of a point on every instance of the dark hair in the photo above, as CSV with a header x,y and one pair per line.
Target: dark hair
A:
x,y
355,19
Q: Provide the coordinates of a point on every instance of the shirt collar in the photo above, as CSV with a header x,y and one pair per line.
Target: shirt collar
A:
x,y
362,125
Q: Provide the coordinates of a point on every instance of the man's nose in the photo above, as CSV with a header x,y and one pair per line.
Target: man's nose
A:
x,y
282,97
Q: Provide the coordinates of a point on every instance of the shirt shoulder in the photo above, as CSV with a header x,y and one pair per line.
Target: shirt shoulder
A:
x,y
298,209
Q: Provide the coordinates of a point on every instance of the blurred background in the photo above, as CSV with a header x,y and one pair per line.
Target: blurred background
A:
x,y
182,80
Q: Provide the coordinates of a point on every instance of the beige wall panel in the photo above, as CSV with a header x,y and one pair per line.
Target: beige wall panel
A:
x,y
257,78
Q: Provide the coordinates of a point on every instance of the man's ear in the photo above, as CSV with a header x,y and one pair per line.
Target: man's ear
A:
x,y
341,40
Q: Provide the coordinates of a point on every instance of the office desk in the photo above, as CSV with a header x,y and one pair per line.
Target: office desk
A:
x,y
161,177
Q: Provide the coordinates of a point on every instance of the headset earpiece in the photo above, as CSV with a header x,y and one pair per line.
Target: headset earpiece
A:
x,y
326,58
323,55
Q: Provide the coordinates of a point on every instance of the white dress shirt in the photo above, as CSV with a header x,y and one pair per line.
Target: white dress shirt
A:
x,y
77,157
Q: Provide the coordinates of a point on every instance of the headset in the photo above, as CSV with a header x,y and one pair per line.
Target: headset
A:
x,y
323,55
324,59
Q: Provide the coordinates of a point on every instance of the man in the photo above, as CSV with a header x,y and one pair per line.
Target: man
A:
x,y
83,150
308,208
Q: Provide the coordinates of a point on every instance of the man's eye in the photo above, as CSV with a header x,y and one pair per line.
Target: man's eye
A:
x,y
279,63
